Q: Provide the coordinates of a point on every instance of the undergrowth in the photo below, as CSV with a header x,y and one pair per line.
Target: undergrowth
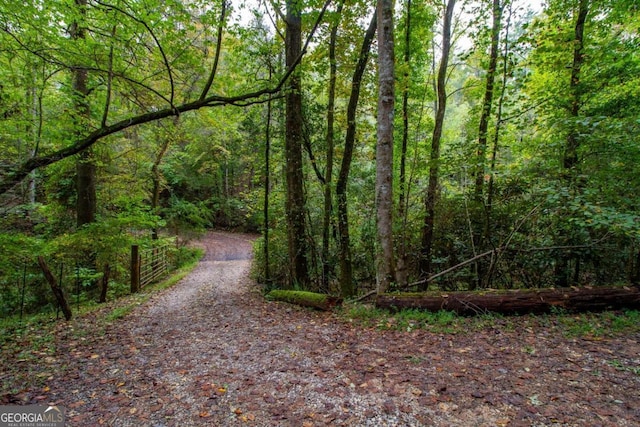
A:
x,y
594,325
29,341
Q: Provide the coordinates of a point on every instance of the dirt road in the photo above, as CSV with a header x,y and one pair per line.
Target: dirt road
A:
x,y
212,352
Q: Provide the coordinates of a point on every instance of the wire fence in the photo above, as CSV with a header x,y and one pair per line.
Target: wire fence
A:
x,y
153,265
24,290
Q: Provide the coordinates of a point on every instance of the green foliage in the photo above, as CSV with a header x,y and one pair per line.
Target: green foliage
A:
x,y
404,320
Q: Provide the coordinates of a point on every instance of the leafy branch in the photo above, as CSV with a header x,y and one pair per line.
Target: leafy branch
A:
x,y
14,175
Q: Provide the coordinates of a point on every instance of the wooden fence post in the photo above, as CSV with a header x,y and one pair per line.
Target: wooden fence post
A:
x,y
135,269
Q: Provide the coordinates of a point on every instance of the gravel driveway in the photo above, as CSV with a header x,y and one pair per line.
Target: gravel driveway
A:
x,y
211,351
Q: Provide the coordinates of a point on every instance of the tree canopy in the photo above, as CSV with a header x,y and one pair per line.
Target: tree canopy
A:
x,y
513,135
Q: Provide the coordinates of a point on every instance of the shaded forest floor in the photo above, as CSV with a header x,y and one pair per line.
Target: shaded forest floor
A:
x,y
211,351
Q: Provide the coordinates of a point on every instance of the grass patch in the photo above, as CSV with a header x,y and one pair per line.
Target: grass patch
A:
x,y
598,325
404,320
585,325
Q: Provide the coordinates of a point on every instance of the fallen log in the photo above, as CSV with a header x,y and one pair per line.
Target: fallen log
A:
x,y
518,301
304,298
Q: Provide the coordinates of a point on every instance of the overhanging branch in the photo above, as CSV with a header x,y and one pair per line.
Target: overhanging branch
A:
x,y
12,176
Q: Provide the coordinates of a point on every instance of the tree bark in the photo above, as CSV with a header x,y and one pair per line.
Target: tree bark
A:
x,y
104,284
384,148
432,189
57,290
267,188
570,161
328,178
401,271
156,176
86,200
346,269
478,233
295,200
519,301
487,102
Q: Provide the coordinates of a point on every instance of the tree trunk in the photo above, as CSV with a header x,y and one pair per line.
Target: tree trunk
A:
x,y
57,290
328,179
401,272
478,234
570,161
85,167
384,148
487,102
346,269
521,301
267,188
488,225
104,284
432,189
156,175
295,200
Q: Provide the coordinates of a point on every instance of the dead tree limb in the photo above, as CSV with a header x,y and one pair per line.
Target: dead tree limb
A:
x,y
518,301
57,290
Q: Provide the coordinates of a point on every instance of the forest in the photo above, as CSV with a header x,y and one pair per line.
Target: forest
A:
x,y
415,145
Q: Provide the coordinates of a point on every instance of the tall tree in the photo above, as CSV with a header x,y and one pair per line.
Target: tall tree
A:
x,y
570,159
86,200
328,178
487,102
434,159
478,234
402,184
384,148
295,200
346,268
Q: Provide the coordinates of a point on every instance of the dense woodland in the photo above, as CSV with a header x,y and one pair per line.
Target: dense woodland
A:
x,y
371,147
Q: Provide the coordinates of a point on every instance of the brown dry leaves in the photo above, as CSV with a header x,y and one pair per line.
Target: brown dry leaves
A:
x,y
211,351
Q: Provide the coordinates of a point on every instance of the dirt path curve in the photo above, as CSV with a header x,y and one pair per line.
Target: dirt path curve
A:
x,y
212,352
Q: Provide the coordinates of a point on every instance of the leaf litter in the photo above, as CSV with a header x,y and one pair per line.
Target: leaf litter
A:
x,y
211,351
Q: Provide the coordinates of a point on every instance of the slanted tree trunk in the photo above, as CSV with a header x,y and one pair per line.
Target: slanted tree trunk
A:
x,y
434,167
520,301
346,269
295,200
384,148
57,290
